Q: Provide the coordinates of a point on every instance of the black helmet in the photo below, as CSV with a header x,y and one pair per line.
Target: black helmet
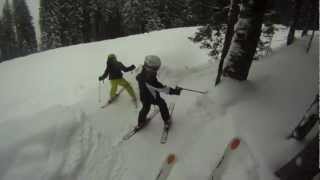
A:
x,y
111,58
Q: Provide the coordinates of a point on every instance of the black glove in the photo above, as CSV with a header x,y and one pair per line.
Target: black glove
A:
x,y
101,78
176,91
132,66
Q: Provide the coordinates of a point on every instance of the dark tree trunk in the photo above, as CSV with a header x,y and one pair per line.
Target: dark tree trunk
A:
x,y
114,29
296,15
305,31
308,18
245,39
310,41
232,19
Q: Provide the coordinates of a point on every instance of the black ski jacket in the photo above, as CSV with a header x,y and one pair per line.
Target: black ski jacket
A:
x,y
150,87
114,69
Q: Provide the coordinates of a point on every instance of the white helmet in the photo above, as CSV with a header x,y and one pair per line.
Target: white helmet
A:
x,y
152,62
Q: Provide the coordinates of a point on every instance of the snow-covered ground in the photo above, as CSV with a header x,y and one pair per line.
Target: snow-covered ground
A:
x,y
51,126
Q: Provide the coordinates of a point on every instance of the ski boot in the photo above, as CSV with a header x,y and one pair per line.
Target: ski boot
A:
x,y
167,125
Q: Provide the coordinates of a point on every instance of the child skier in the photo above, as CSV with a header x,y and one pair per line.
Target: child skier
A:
x,y
150,87
114,69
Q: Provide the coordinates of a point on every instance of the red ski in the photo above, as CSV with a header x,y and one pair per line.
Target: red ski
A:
x,y
232,146
166,167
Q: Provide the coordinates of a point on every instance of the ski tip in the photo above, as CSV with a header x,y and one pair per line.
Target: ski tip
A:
x,y
234,143
171,158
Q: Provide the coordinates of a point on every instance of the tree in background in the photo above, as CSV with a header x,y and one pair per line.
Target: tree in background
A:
x,y
132,17
70,21
61,23
201,11
26,36
88,21
234,10
51,36
311,18
152,18
174,13
9,48
296,15
306,19
94,19
139,16
1,40
211,35
245,39
113,18
267,32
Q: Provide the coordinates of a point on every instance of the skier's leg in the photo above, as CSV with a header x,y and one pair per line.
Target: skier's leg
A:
x,y
128,87
143,114
114,87
164,111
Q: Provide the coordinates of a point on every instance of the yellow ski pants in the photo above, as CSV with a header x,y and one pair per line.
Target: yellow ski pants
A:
x,y
125,84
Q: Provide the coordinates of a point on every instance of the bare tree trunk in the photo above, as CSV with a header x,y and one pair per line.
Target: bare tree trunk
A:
x,y
297,9
307,19
245,39
310,41
232,19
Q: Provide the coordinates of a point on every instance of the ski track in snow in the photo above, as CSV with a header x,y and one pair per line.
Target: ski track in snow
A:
x,y
78,141
107,156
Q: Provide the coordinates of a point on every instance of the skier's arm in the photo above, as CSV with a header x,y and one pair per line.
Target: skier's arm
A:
x,y
154,85
126,69
105,74
153,88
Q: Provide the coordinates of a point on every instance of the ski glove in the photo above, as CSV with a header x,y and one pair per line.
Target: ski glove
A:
x,y
132,67
101,78
176,91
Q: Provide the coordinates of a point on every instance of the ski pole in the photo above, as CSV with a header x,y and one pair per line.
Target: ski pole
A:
x,y
201,92
99,92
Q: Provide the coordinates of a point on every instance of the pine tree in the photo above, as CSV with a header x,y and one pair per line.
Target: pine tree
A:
x,y
1,41
245,39
296,15
211,35
132,17
267,32
310,16
232,19
94,24
101,19
112,18
70,19
51,36
174,13
140,16
9,41
151,16
89,8
201,11
26,36
306,18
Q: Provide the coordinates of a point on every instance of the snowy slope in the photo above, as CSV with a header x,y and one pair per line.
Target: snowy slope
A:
x,y
52,126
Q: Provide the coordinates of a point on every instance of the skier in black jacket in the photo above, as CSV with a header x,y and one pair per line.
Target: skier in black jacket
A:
x,y
150,87
113,70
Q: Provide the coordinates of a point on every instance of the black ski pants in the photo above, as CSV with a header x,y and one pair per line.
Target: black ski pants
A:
x,y
146,105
